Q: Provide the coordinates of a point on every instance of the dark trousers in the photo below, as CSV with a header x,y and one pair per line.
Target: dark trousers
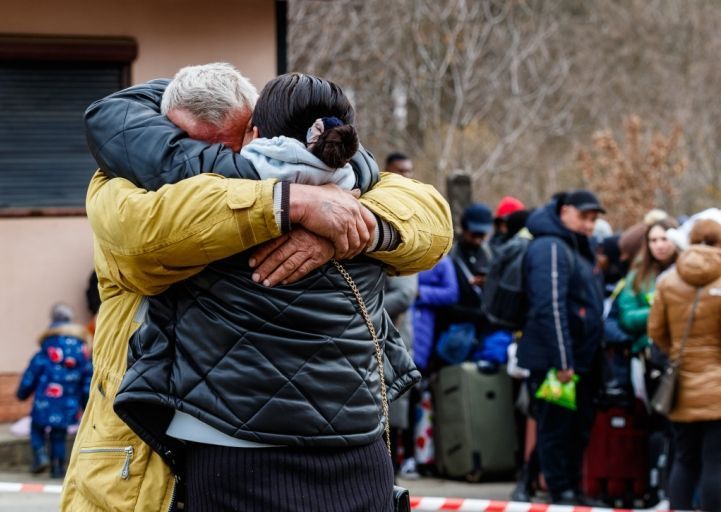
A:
x,y
697,466
562,435
57,440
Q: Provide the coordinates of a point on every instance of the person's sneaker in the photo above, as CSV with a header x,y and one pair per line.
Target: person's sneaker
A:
x,y
408,469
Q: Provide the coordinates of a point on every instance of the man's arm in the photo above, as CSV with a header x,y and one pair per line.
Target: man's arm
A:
x,y
418,214
129,138
151,240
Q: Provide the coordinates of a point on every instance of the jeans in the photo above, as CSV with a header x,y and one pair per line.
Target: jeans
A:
x,y
57,440
697,466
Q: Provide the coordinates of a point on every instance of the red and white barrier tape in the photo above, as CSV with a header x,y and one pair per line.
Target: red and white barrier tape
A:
x,y
420,504
427,504
41,488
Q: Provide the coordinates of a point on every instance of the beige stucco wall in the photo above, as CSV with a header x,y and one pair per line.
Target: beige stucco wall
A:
x,y
44,260
170,33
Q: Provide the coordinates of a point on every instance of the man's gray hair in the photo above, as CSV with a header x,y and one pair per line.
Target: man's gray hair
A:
x,y
209,92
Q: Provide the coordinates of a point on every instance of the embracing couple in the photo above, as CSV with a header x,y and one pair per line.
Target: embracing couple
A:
x,y
234,368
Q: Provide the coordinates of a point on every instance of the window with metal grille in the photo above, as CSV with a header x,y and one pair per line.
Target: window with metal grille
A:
x,y
45,87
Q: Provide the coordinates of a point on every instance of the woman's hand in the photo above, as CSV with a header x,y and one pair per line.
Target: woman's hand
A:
x,y
288,258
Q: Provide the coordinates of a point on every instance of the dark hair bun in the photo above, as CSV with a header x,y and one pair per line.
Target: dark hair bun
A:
x,y
336,146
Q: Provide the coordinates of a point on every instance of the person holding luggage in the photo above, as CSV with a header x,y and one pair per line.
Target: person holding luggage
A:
x,y
562,331
693,287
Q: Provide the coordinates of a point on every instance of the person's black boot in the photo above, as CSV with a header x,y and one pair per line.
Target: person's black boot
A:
x,y
57,468
40,461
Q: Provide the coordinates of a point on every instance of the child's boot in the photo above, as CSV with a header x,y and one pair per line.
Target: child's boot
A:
x,y
57,468
40,461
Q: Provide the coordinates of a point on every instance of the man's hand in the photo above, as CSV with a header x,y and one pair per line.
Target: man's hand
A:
x,y
332,213
565,375
289,257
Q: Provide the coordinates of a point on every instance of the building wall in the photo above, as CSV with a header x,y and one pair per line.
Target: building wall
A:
x,y
48,259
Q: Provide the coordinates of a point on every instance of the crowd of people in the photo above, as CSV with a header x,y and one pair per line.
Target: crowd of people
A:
x,y
251,259
607,310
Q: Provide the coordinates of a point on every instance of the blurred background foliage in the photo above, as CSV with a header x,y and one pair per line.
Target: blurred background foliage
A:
x,y
530,97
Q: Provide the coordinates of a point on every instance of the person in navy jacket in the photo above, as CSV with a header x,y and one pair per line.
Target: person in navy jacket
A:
x,y
59,375
563,331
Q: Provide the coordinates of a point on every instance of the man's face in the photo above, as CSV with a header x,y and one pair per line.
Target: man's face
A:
x,y
472,239
402,167
233,132
578,221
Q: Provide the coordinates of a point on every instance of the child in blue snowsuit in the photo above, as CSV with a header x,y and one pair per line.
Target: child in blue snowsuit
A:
x,y
59,375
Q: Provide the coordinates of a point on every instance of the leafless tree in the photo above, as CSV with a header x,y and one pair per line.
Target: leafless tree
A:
x,y
509,90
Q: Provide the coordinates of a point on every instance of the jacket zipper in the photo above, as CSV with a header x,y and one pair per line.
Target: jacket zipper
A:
x,y
172,497
128,450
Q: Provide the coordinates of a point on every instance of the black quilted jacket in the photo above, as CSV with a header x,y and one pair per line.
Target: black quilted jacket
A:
x,y
291,365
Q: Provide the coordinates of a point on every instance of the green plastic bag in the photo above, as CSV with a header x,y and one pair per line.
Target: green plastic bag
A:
x,y
556,392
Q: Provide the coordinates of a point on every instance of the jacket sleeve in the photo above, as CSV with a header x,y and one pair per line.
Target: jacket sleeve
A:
x,y
130,138
547,276
420,215
445,292
150,240
31,377
400,294
658,328
632,310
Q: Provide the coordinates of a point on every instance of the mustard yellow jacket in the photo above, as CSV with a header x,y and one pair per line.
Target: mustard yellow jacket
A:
x,y
146,241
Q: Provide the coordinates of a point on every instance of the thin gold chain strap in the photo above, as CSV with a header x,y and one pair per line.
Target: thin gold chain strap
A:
x,y
379,352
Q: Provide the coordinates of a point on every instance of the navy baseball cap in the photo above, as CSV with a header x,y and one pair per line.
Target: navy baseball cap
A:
x,y
584,200
477,218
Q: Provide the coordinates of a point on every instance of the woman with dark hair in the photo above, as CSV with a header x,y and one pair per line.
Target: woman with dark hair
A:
x,y
657,254
272,398
684,323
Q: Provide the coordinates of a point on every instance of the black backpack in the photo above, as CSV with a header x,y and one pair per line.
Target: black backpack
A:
x,y
504,302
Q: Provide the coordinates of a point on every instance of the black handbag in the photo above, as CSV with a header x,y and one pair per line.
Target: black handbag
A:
x,y
401,497
664,398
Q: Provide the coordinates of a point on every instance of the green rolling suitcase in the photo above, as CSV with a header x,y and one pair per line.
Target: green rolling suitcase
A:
x,y
474,424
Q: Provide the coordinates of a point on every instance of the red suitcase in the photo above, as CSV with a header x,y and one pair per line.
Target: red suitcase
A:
x,y
615,467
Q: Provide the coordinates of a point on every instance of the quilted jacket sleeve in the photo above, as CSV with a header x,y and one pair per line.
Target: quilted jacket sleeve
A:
x,y
146,241
442,289
130,138
422,218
